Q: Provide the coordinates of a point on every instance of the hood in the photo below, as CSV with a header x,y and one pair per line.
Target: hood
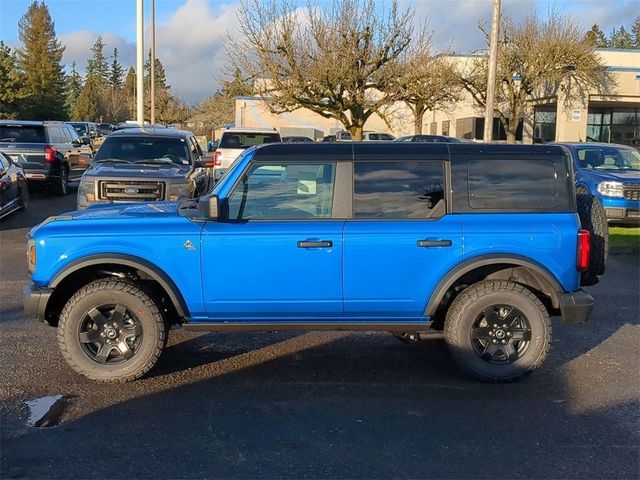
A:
x,y
126,211
626,176
141,171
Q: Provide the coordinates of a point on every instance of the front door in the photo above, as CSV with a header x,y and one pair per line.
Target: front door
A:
x,y
400,242
277,254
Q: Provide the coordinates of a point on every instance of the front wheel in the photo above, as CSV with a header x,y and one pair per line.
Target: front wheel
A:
x,y
111,331
498,331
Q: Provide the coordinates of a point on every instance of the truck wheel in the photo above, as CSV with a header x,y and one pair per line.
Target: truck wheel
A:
x,y
111,331
61,184
498,331
593,218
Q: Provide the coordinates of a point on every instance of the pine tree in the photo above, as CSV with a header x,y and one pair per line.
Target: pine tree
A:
x,y
9,83
39,63
87,106
620,38
159,75
116,73
596,37
73,89
635,30
129,88
97,66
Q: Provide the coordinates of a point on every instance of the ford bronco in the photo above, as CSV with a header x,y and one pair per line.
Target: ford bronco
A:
x,y
483,241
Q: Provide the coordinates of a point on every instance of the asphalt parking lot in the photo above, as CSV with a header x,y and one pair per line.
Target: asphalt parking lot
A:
x,y
325,404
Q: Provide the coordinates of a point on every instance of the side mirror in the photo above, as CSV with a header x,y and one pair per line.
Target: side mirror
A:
x,y
209,207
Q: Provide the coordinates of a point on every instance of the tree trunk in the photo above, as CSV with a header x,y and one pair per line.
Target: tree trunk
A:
x,y
419,120
512,126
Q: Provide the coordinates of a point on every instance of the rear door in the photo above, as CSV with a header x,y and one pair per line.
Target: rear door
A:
x,y
401,240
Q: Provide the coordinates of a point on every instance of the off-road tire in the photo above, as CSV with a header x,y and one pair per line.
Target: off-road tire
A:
x,y
593,218
107,291
60,185
466,309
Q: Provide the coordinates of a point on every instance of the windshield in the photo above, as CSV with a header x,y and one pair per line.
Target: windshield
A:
x,y
22,134
246,140
81,128
608,158
144,149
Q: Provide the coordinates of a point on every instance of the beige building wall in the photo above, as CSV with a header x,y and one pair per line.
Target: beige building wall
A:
x,y
571,119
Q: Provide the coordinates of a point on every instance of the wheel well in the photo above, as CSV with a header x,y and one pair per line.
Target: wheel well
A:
x,y
541,286
83,276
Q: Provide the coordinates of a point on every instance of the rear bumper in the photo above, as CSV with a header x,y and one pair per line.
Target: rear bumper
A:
x,y
575,307
35,301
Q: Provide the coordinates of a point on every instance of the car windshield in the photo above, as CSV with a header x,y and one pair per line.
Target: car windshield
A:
x,y
22,134
81,128
608,158
141,149
246,139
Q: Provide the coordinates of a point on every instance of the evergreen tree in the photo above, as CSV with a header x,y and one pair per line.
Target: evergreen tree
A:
x,y
97,66
620,38
39,63
129,88
73,88
116,73
635,30
159,75
9,83
596,37
87,106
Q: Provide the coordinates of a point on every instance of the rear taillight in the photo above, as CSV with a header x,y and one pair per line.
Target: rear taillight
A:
x,y
49,154
584,250
217,158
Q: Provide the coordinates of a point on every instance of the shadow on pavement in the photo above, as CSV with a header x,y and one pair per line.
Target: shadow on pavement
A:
x,y
45,205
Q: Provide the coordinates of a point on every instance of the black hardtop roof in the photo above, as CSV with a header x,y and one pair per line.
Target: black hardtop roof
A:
x,y
150,132
396,151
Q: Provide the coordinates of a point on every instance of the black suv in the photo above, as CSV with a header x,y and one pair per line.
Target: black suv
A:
x,y
50,153
145,165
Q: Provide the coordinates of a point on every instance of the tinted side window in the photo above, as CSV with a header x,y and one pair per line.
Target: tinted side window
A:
x,y
512,185
398,190
73,135
284,191
55,135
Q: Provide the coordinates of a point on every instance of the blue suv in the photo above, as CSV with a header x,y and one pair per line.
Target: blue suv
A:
x,y
483,241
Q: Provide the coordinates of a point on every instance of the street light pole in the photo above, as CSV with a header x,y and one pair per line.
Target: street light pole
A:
x,y
491,77
140,64
153,62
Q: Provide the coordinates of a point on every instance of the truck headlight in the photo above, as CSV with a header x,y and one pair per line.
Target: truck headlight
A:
x,y
87,189
610,189
178,190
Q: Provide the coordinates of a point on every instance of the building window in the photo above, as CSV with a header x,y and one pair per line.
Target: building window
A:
x,y
434,128
544,124
473,128
614,125
445,127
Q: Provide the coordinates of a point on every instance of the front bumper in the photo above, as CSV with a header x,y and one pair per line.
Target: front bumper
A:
x,y
575,307
621,210
35,301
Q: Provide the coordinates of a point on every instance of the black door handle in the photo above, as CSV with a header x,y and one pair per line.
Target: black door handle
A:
x,y
434,243
312,244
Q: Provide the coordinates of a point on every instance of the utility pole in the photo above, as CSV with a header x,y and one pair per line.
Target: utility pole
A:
x,y
140,64
491,77
153,63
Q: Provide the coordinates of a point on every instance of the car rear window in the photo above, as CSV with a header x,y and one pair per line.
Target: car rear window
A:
x,y
138,149
246,140
22,134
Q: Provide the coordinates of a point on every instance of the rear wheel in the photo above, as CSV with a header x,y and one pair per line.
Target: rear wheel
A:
x,y
111,331
60,185
593,218
498,331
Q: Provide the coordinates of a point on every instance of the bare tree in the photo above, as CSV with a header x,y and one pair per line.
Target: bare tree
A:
x,y
540,58
337,61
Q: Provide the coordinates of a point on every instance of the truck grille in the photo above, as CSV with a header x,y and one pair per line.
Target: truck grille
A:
x,y
631,191
130,191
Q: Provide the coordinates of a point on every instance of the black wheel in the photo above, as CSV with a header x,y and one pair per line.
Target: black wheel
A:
x,y
24,196
593,218
498,331
61,183
111,331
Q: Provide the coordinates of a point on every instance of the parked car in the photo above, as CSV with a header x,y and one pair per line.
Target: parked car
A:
x,y
297,139
145,165
235,140
329,138
341,136
482,241
428,139
90,130
14,194
105,129
377,137
50,153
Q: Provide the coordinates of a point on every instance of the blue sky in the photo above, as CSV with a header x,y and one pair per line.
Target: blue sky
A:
x,y
191,33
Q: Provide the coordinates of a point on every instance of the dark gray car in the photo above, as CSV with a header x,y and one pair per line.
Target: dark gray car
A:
x,y
145,165
50,153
